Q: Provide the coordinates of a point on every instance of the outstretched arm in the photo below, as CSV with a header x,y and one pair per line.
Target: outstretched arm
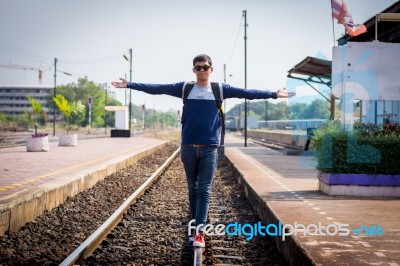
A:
x,y
123,83
251,94
174,89
282,93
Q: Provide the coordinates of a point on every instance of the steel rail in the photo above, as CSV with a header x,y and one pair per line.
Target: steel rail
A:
x,y
93,241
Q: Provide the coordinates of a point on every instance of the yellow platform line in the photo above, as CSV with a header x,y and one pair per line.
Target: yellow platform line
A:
x,y
39,177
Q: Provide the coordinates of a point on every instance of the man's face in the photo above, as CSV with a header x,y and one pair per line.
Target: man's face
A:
x,y
202,70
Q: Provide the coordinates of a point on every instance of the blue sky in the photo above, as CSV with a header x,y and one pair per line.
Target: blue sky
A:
x,y
90,37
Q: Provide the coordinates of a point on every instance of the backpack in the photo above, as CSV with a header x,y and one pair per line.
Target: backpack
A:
x,y
217,91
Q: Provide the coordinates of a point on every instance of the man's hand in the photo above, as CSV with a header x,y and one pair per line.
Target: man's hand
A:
x,y
123,83
282,93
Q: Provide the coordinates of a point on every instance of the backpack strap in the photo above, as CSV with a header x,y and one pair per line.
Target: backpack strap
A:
x,y
186,89
217,91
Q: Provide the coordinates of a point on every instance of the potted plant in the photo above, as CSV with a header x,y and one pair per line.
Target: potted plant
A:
x,y
67,109
38,141
361,162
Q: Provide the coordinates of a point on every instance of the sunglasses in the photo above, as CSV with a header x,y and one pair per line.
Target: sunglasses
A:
x,y
204,67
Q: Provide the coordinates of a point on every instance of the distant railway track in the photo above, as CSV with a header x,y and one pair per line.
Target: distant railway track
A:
x,y
287,149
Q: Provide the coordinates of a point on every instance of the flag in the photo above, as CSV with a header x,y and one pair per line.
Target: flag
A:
x,y
343,16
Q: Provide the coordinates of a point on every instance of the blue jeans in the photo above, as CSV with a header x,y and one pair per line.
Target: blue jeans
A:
x,y
200,165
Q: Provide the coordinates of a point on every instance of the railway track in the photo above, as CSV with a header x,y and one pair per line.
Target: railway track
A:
x,y
91,243
286,148
151,231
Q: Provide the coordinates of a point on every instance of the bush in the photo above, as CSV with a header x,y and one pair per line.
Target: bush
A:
x,y
367,150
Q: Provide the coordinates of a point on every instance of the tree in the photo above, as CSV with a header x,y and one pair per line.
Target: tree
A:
x,y
69,110
37,111
298,111
81,91
318,109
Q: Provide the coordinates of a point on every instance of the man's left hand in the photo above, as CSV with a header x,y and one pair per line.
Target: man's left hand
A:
x,y
282,93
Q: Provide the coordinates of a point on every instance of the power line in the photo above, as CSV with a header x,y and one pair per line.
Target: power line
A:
x,y
93,60
236,40
21,53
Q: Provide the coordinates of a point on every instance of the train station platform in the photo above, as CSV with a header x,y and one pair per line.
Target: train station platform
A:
x,y
284,190
32,182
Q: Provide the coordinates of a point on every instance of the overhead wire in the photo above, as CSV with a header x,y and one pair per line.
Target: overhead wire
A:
x,y
21,53
235,42
48,63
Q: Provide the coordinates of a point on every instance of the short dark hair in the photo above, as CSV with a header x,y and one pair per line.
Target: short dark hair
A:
x,y
202,58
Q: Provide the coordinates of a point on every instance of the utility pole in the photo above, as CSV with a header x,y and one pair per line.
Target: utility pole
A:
x,y
105,111
245,76
130,91
224,83
55,92
54,103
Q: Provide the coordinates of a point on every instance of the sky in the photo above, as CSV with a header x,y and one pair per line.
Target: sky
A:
x,y
89,38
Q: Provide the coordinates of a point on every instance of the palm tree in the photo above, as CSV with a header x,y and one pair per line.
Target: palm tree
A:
x,y
37,111
66,108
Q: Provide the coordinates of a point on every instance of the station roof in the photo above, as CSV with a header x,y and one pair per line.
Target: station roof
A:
x,y
387,31
316,69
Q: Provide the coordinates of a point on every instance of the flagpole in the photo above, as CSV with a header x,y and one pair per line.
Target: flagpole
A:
x,y
333,25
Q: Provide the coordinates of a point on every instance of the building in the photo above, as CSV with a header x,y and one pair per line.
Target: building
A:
x,y
13,99
379,74
373,83
381,28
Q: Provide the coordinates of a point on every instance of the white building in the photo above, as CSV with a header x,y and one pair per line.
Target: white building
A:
x,y
13,99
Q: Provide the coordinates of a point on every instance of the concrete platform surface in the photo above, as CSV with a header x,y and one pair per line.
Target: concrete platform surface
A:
x,y
284,189
32,182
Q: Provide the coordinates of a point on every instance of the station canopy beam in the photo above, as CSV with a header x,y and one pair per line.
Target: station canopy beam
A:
x,y
315,70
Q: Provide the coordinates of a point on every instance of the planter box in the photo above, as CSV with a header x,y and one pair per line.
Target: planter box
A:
x,y
360,185
68,140
36,144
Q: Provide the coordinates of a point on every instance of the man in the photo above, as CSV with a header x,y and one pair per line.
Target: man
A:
x,y
200,132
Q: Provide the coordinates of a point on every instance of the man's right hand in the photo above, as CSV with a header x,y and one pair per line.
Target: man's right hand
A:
x,y
123,83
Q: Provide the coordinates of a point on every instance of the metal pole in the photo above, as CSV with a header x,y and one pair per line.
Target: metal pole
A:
x,y
245,76
105,111
54,93
224,83
130,91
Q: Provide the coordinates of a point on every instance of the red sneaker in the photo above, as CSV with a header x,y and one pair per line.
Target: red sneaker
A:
x,y
199,240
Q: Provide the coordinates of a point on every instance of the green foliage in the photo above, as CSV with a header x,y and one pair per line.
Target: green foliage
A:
x,y
331,128
366,150
37,111
366,128
63,105
79,93
36,106
154,118
66,108
369,129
